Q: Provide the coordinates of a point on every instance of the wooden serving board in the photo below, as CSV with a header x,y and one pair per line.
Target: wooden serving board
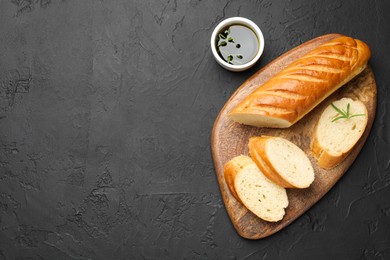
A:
x,y
230,139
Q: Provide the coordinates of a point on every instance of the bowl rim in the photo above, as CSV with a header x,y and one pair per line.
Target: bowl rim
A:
x,y
243,21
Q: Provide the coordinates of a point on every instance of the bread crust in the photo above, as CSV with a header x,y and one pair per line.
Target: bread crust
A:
x,y
302,85
324,159
232,168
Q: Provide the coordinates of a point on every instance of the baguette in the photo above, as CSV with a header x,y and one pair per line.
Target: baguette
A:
x,y
334,138
258,194
281,161
296,90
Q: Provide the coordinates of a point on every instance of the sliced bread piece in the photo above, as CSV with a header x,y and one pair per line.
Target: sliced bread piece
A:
x,y
257,193
231,170
282,161
340,127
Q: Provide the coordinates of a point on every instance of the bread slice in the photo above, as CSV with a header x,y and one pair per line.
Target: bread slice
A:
x,y
334,138
281,161
231,170
257,193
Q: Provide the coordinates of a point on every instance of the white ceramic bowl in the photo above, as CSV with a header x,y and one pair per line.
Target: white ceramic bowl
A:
x,y
242,21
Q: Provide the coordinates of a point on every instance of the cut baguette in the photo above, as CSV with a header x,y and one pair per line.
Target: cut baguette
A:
x,y
257,193
281,161
296,90
333,141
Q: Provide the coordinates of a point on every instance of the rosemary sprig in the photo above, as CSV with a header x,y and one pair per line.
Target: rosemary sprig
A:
x,y
344,113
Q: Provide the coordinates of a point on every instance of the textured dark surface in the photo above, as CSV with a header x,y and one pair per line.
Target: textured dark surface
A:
x,y
106,110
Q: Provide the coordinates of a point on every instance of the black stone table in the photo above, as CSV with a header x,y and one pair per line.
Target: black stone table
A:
x,y
106,110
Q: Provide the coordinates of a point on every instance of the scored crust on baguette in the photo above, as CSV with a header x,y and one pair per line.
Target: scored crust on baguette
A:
x,y
282,161
297,89
333,141
256,192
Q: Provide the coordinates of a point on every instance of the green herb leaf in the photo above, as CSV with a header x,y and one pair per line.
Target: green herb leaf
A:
x,y
344,114
223,43
222,36
229,58
239,56
338,109
337,118
230,39
356,115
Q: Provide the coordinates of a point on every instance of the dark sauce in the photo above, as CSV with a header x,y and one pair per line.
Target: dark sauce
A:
x,y
237,44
